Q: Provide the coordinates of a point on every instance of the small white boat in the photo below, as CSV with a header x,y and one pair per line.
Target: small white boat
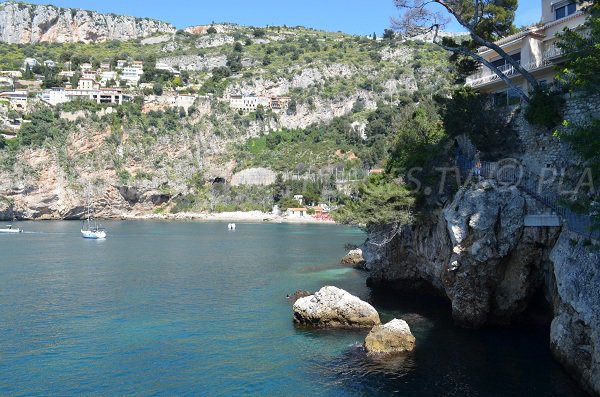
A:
x,y
10,229
231,226
90,228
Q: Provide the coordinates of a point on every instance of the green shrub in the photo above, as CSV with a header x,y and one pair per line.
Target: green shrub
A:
x,y
545,107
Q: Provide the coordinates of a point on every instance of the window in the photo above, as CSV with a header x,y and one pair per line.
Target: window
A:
x,y
501,62
565,10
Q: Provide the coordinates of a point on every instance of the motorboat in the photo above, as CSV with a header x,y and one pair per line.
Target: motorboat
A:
x,y
11,229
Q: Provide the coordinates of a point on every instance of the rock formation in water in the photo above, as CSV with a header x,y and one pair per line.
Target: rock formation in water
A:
x,y
353,257
478,253
391,338
22,23
332,307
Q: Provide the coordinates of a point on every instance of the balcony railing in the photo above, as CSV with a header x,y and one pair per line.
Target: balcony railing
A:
x,y
486,76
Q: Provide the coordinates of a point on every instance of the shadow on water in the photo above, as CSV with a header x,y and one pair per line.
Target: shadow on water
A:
x,y
450,360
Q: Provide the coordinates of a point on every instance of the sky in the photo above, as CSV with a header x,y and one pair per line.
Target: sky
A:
x,y
350,16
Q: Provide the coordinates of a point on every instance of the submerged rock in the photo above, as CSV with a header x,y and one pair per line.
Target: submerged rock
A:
x,y
332,307
354,258
297,295
391,338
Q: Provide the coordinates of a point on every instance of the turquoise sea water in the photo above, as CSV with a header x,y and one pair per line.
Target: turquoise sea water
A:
x,y
185,308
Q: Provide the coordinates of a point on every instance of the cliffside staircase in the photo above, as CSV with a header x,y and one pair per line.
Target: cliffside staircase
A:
x,y
531,184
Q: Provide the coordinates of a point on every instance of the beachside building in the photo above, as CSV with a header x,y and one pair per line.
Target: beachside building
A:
x,y
297,212
17,99
534,48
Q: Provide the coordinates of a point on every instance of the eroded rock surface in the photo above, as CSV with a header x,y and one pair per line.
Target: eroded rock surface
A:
x,y
393,337
332,307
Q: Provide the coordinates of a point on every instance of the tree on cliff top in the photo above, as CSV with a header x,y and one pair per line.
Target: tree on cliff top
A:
x,y
485,21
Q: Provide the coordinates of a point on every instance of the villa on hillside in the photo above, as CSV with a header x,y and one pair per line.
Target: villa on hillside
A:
x,y
250,102
87,89
534,48
17,99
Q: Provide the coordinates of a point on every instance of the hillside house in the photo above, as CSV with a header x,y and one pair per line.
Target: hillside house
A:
x,y
87,84
17,99
56,96
67,66
534,48
121,63
85,67
132,75
49,63
105,66
30,62
250,102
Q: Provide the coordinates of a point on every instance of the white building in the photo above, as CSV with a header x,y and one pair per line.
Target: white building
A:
x,y
56,96
31,62
17,99
85,67
248,103
50,63
121,63
105,77
534,48
132,75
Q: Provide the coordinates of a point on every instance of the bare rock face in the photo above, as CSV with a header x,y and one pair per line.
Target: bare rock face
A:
x,y
22,23
476,252
353,257
391,338
254,177
332,307
575,329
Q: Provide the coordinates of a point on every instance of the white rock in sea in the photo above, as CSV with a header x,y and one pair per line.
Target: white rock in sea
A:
x,y
391,338
353,257
332,307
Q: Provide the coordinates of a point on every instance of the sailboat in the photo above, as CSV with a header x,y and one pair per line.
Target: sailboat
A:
x,y
90,228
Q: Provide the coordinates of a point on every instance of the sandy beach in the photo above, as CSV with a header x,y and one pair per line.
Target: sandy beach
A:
x,y
237,216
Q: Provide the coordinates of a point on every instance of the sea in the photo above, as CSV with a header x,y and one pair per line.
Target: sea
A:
x,y
165,308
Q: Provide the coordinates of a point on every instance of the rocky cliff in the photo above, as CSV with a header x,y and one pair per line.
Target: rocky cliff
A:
x,y
478,253
22,23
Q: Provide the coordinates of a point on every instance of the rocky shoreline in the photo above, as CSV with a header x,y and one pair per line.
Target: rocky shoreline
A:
x,y
478,254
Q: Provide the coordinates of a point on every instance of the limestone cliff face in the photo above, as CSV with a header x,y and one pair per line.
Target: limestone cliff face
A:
x,y
22,23
478,253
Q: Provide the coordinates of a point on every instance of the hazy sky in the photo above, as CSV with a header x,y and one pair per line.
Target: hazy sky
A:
x,y
351,16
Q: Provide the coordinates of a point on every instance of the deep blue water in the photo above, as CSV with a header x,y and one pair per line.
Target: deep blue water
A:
x,y
185,308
